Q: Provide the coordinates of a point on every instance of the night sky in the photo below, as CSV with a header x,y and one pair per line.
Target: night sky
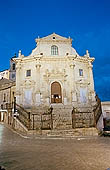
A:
x,y
87,22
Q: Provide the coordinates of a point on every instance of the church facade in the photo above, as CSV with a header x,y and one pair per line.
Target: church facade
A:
x,y
54,74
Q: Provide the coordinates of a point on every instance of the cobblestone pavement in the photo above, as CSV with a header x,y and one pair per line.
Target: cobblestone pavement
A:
x,y
18,153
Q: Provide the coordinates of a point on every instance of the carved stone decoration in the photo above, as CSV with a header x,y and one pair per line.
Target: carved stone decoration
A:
x,y
38,66
18,92
54,74
28,83
72,65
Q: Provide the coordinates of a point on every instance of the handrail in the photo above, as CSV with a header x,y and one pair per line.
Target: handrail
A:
x,y
97,110
24,116
22,108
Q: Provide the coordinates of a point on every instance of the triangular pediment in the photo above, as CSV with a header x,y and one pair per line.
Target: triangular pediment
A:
x,y
53,37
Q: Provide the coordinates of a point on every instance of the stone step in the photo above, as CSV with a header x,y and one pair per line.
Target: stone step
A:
x,y
75,132
65,133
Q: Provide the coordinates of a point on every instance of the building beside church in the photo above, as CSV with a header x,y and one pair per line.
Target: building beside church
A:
x,y
54,74
105,115
10,73
12,70
4,74
7,94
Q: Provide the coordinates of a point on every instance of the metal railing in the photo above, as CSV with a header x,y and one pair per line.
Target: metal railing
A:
x,y
23,116
97,110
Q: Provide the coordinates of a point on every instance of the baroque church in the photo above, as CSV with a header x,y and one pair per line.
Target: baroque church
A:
x,y
55,75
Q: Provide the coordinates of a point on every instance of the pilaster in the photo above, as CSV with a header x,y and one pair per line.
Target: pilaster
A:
x,y
38,94
18,81
73,86
91,83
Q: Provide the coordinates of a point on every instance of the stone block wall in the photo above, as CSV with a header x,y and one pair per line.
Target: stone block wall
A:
x,y
62,117
83,119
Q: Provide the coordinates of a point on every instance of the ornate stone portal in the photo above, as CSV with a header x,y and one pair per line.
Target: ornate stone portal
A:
x,y
54,74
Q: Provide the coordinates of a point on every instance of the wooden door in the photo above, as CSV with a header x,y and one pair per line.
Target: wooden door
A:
x,y
56,95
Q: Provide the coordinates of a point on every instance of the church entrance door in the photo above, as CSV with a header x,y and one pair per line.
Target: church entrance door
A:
x,y
56,96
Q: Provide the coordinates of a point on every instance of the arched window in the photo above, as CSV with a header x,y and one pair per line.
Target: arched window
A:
x,y
54,50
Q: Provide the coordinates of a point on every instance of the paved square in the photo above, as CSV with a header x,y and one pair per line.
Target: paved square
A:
x,y
18,153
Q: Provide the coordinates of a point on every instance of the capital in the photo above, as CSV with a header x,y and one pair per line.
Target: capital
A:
x,y
72,66
38,66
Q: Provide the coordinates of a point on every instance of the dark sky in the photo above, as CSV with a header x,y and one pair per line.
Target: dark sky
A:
x,y
87,22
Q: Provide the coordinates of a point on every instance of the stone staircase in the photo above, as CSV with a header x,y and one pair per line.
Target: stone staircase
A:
x,y
63,120
62,116
58,120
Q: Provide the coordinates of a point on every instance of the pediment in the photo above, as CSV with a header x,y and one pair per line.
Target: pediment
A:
x,y
53,37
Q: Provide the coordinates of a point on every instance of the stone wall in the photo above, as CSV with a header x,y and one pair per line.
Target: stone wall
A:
x,y
62,117
81,120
